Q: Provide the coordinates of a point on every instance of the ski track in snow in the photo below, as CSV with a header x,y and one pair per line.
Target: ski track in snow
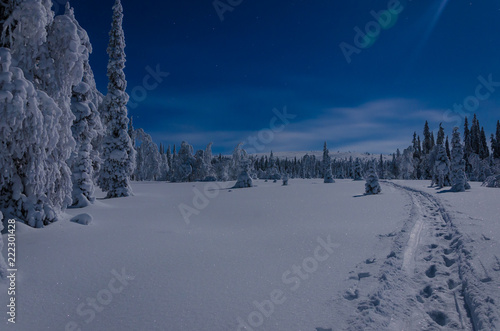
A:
x,y
429,281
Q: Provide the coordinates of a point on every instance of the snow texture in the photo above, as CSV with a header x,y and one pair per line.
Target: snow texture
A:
x,y
83,219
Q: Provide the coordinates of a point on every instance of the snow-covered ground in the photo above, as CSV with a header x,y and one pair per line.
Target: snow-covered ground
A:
x,y
301,257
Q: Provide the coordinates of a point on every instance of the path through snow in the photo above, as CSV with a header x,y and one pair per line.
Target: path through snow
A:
x,y
427,282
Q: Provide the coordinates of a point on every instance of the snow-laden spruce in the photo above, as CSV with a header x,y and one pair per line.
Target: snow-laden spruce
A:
x,y
48,50
118,152
441,173
372,185
357,170
406,167
327,167
183,164
244,180
441,167
492,181
458,177
93,97
285,180
27,140
87,127
148,159
83,132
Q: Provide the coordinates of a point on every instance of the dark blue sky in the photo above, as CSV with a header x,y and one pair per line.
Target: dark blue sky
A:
x,y
226,77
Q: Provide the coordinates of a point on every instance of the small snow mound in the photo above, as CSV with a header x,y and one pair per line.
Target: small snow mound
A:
x,y
83,219
492,181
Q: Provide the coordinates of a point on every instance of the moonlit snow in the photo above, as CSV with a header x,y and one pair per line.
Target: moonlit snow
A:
x,y
409,257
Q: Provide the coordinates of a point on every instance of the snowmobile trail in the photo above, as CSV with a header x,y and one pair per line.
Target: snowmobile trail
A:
x,y
429,281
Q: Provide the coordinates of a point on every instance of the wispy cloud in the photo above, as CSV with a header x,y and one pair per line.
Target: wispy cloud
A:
x,y
379,126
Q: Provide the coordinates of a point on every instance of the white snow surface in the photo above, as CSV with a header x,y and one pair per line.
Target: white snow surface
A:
x,y
150,270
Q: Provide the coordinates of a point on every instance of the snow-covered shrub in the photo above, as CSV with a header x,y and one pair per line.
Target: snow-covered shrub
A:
x,y
372,185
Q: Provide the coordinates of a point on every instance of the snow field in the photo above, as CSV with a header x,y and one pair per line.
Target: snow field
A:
x,y
209,273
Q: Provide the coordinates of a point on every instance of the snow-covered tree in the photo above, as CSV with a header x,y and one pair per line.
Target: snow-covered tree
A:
x,y
48,51
244,180
441,167
207,163
357,170
183,164
6,27
27,140
148,159
495,142
372,185
118,152
25,31
235,164
221,168
83,132
285,179
200,168
406,167
458,177
327,167
93,96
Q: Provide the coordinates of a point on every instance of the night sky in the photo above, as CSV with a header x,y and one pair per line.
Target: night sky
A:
x,y
226,77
